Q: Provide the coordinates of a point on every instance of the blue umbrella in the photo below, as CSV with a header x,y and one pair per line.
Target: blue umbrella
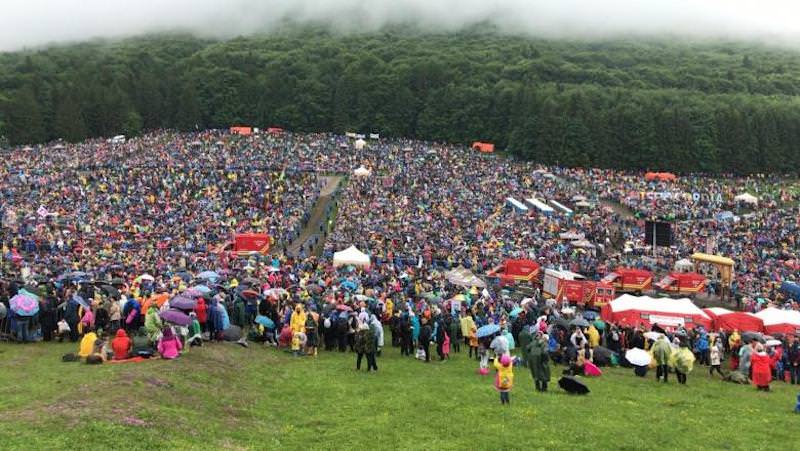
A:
x,y
515,312
201,288
208,275
80,301
488,330
265,321
590,315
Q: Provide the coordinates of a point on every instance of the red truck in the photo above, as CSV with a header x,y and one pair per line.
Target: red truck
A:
x,y
682,283
244,244
516,271
630,280
576,289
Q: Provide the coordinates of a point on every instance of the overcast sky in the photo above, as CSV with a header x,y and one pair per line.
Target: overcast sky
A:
x,y
29,23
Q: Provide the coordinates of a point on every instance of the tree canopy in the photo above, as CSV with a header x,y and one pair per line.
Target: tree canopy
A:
x,y
633,104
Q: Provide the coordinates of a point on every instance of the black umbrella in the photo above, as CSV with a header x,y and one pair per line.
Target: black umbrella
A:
x,y
117,281
579,322
573,386
602,356
747,337
111,291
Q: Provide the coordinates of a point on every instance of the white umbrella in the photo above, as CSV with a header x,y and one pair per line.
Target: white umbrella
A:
x,y
638,357
774,343
652,335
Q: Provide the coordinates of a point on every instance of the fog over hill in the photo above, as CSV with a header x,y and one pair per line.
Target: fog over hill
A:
x,y
33,23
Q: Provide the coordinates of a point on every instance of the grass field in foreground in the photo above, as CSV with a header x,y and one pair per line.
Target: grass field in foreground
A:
x,y
225,396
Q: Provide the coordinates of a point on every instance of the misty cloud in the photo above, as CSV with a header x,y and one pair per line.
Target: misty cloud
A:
x,y
31,23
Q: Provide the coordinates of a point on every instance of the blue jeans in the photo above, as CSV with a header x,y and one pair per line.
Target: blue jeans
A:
x,y
22,330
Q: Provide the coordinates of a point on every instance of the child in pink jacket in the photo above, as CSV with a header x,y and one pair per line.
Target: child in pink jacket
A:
x,y
169,346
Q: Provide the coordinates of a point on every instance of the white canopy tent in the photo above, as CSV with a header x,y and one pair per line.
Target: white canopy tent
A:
x,y
746,198
351,257
362,172
465,278
684,265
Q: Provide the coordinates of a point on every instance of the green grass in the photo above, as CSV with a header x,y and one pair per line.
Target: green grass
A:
x,y
224,396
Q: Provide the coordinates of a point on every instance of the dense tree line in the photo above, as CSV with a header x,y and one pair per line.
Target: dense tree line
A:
x,y
675,105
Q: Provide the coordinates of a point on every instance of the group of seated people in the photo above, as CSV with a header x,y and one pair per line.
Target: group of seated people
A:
x,y
94,350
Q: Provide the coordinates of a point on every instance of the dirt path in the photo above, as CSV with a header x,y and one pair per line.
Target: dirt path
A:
x,y
317,215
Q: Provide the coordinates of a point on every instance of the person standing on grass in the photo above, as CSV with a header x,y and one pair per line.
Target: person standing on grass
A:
x,y
453,332
473,341
793,360
662,351
684,362
744,359
425,339
762,373
365,347
538,361
467,323
715,357
504,380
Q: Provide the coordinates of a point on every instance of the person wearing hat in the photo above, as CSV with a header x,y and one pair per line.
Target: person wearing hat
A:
x,y
504,380
539,361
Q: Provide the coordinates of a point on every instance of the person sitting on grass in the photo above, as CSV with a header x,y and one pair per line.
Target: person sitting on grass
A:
x,y
87,343
141,344
122,345
169,346
195,332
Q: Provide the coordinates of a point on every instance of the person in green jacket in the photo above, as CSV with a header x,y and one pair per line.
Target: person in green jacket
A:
x,y
195,333
539,361
365,346
525,339
662,351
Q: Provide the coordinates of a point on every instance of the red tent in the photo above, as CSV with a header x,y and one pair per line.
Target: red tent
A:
x,y
245,131
516,271
660,176
483,147
635,310
729,320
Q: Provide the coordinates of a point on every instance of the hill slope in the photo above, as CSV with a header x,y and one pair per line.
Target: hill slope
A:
x,y
630,104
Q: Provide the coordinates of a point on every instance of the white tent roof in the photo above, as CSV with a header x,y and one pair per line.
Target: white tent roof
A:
x,y
772,316
465,278
683,306
351,256
746,198
362,172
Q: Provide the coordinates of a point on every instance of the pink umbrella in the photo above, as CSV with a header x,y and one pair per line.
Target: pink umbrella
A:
x,y
24,305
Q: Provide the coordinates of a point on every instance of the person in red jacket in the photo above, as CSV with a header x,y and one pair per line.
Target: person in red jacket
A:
x,y
201,309
760,364
121,345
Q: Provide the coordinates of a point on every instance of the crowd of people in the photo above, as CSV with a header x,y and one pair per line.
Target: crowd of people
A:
x,y
105,235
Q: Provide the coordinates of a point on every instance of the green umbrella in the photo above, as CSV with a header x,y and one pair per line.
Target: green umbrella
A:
x,y
599,324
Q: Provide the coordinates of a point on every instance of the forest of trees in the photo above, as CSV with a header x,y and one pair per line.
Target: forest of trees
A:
x,y
646,104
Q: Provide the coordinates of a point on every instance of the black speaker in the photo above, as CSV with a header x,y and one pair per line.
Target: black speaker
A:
x,y
663,231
